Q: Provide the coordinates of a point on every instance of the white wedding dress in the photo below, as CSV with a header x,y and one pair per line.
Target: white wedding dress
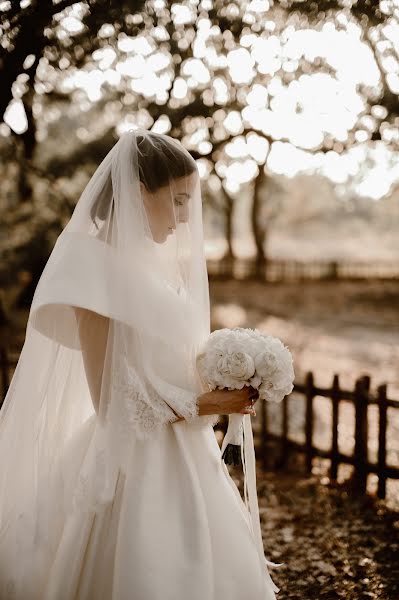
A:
x,y
175,529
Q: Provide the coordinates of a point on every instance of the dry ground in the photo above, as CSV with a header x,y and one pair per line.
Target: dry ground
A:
x,y
332,545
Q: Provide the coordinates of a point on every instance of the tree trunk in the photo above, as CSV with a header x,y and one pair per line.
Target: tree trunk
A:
x,y
258,229
228,257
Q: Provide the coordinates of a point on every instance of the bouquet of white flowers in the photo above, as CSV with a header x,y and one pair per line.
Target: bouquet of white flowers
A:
x,y
238,357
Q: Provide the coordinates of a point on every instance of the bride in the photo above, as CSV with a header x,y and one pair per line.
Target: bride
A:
x,y
112,485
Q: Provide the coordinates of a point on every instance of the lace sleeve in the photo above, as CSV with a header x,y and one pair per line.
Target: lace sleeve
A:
x,y
138,406
143,410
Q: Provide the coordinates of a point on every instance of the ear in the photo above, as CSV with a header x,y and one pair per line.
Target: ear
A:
x,y
144,193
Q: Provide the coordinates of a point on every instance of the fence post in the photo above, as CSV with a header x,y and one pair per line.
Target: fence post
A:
x,y
333,270
309,394
382,439
334,434
361,434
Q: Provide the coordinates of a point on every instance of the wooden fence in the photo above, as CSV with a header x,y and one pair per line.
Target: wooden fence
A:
x,y
361,397
295,270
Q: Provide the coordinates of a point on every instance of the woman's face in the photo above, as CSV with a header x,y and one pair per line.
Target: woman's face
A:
x,y
168,205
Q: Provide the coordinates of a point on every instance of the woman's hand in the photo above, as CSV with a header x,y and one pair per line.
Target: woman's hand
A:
x,y
225,402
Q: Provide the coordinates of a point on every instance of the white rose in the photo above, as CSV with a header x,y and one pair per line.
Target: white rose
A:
x,y
238,365
233,358
266,364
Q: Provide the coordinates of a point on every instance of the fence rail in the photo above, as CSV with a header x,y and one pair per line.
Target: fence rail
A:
x,y
295,270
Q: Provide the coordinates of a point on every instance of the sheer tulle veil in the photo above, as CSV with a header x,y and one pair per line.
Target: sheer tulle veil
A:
x,y
132,251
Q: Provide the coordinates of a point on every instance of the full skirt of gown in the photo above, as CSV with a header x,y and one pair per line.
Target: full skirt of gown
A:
x,y
176,528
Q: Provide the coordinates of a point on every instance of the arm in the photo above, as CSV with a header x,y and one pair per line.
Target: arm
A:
x,y
209,406
206,405
93,335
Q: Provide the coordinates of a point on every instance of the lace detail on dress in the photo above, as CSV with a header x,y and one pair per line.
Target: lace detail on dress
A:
x,y
137,409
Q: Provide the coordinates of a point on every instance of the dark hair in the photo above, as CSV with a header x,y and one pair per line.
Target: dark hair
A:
x,y
160,159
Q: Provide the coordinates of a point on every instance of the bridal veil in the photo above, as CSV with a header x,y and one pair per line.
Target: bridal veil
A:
x,y
116,321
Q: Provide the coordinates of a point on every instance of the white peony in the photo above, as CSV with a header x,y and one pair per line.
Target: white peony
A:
x,y
233,358
237,365
266,364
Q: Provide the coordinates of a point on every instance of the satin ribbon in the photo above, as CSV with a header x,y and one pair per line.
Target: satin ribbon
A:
x,y
251,496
